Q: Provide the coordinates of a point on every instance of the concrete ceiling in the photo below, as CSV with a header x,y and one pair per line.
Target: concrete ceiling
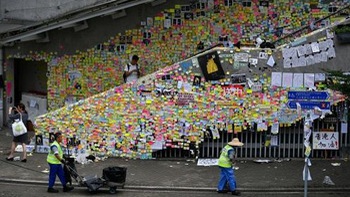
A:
x,y
21,18
20,13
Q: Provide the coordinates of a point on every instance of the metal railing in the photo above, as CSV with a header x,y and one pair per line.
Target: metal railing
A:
x,y
290,143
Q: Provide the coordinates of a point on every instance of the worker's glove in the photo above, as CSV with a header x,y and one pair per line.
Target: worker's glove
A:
x,y
63,161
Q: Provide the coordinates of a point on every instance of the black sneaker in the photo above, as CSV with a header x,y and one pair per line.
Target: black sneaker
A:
x,y
52,190
222,191
67,188
236,193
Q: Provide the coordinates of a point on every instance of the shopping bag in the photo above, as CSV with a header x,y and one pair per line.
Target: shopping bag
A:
x,y
18,127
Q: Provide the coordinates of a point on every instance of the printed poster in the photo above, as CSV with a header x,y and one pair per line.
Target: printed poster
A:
x,y
211,66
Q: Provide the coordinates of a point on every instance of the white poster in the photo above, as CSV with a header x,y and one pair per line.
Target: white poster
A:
x,y
344,127
263,55
320,77
287,80
315,48
167,23
309,80
207,162
276,79
275,128
298,80
287,62
271,62
325,140
274,140
158,145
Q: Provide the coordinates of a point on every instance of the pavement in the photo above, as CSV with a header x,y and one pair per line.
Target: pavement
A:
x,y
184,174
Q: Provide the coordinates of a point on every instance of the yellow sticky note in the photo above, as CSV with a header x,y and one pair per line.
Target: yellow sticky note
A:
x,y
238,128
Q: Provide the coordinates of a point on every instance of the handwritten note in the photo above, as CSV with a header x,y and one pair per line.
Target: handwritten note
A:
x,y
326,140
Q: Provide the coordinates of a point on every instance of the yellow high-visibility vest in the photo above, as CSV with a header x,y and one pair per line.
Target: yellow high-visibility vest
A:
x,y
51,158
224,160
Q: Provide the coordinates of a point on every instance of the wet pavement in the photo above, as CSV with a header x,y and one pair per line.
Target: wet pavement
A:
x,y
185,174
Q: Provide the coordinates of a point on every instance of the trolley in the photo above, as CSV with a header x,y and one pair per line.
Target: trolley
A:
x,y
112,177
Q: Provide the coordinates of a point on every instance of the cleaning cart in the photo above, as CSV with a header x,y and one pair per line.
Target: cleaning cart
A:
x,y
113,177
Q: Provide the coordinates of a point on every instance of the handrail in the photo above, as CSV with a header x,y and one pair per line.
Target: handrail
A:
x,y
307,26
205,50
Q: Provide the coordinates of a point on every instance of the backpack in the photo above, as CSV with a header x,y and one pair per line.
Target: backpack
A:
x,y
124,74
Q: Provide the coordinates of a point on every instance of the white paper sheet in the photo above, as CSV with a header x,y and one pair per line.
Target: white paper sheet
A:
x,y
298,80
276,79
309,80
320,76
275,128
287,80
314,47
274,140
271,62
344,127
263,55
287,63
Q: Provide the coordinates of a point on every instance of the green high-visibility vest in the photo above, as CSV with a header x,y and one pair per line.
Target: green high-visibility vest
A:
x,y
224,160
51,158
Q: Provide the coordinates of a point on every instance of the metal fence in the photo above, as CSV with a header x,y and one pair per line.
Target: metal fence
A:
x,y
290,142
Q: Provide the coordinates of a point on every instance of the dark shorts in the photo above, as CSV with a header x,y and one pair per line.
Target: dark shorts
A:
x,y
21,138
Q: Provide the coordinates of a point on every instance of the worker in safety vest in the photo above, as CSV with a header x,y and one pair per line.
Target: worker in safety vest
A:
x,y
55,160
226,161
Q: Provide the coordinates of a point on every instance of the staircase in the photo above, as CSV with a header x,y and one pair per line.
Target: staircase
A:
x,y
170,114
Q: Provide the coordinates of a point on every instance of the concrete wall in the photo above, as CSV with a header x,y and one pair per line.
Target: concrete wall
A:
x,y
101,29
1,92
39,10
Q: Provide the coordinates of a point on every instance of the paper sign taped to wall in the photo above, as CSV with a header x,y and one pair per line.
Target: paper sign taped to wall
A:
x,y
326,140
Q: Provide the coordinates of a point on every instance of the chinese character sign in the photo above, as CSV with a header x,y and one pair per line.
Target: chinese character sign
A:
x,y
326,140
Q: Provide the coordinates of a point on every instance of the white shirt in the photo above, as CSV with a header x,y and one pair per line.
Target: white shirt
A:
x,y
133,77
